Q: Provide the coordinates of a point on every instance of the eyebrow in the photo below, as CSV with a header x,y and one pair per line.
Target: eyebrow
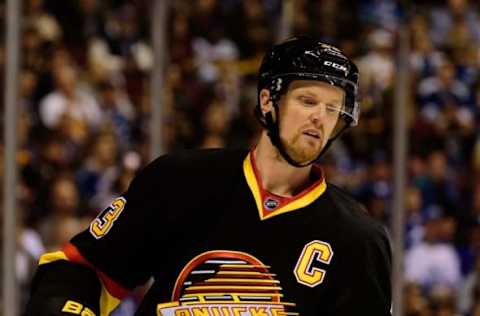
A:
x,y
307,92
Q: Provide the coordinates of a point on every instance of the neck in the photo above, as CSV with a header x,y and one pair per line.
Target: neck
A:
x,y
276,174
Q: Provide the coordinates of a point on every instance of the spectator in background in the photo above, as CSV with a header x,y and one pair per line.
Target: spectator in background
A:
x,y
91,19
118,113
53,156
465,58
377,66
301,23
81,20
29,249
210,51
180,41
244,127
433,263
26,119
228,87
42,21
444,18
101,63
31,49
377,190
414,221
100,166
68,104
255,39
28,82
117,182
204,14
62,219
438,186
211,45
330,22
469,250
124,36
468,294
425,58
416,304
442,300
444,100
382,14
216,124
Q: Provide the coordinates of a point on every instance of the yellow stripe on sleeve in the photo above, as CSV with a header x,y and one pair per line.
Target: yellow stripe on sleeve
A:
x,y
52,256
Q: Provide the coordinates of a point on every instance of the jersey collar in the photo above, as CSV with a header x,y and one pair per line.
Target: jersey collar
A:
x,y
269,204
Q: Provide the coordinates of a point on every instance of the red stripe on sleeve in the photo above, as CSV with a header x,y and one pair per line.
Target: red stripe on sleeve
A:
x,y
113,288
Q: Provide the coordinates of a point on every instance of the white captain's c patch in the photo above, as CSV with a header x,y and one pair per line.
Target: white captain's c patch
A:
x,y
306,270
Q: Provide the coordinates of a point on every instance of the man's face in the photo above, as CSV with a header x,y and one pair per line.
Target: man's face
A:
x,y
309,112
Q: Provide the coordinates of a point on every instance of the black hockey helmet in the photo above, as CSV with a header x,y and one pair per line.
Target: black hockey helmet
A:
x,y
303,58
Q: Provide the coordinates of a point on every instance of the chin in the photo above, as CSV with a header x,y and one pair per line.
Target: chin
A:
x,y
304,156
303,152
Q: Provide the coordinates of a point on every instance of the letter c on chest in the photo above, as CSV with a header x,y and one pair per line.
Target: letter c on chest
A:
x,y
306,272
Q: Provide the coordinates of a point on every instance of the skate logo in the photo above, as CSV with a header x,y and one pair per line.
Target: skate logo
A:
x,y
226,283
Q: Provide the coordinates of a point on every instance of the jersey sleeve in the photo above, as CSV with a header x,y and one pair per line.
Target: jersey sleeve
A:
x,y
366,288
64,288
118,241
117,246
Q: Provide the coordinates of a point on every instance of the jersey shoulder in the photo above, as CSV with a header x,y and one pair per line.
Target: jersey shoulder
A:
x,y
354,215
193,173
199,160
356,227
189,165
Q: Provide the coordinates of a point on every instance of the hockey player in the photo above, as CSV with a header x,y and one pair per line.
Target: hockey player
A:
x,y
238,233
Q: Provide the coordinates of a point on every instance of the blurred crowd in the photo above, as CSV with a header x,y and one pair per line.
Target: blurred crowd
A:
x,y
84,113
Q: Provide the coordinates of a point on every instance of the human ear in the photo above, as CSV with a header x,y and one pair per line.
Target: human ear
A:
x,y
265,101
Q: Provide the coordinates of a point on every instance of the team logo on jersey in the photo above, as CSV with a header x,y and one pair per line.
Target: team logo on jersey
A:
x,y
271,204
226,283
308,269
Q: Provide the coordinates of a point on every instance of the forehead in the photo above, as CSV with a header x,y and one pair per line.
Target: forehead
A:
x,y
316,88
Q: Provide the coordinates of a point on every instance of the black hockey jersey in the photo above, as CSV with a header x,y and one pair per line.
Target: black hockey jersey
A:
x,y
217,244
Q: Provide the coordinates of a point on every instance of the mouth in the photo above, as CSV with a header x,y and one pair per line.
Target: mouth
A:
x,y
312,133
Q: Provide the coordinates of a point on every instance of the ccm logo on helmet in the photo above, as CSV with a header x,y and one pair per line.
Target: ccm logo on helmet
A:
x,y
335,65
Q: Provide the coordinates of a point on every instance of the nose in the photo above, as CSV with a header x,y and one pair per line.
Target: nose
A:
x,y
318,115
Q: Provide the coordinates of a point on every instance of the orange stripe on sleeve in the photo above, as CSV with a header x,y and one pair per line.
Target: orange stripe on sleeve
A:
x,y
113,288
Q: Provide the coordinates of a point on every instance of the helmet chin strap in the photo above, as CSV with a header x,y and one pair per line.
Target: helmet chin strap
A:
x,y
272,125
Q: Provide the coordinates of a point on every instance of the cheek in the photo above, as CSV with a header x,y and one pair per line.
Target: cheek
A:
x,y
332,123
330,126
289,124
